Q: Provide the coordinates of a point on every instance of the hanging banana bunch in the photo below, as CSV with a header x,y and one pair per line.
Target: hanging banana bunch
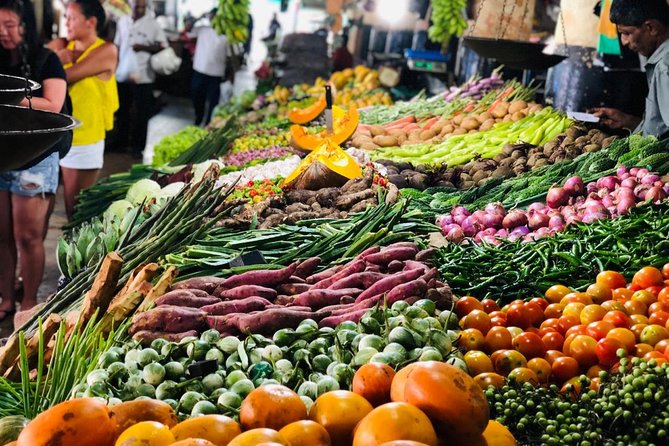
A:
x,y
448,20
232,19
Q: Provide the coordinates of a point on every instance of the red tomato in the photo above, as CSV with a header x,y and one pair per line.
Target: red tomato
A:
x,y
498,338
466,304
621,294
553,323
635,306
535,313
659,317
665,271
607,351
553,341
552,355
564,322
564,368
497,322
582,349
648,276
576,329
543,303
662,345
617,318
489,305
666,353
658,306
663,295
641,349
611,279
477,319
599,329
545,330
655,289
553,311
637,329
530,345
518,316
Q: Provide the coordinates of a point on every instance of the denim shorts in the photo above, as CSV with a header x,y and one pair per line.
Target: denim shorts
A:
x,y
39,179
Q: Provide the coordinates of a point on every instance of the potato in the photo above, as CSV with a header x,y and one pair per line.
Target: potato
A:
x,y
368,146
447,130
402,138
427,134
501,110
517,116
483,117
517,106
473,131
507,118
487,124
457,120
385,140
397,132
470,123
414,135
377,130
459,131
359,140
533,107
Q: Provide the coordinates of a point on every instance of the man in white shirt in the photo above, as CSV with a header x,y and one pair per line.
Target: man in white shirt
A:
x,y
208,70
146,38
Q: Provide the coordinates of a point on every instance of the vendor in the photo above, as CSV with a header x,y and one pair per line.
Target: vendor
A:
x,y
643,26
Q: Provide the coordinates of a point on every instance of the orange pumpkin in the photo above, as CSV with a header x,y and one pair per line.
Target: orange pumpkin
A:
x,y
394,421
194,442
75,422
449,397
272,406
218,429
338,412
344,126
132,412
306,433
399,381
308,114
372,381
256,437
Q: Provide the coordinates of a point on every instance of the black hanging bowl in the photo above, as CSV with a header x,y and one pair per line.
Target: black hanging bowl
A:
x,y
514,53
26,133
13,89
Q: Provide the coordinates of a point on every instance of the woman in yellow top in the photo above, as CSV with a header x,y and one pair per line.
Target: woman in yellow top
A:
x,y
89,64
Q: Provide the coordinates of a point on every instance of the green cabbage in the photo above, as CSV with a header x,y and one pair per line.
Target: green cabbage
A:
x,y
141,190
118,209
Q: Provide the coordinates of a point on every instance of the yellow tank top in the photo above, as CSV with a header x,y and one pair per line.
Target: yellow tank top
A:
x,y
94,102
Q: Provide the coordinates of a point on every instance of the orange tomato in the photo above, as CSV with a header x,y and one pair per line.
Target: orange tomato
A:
x,y
633,306
552,355
372,381
273,406
555,293
641,349
617,318
338,412
466,304
644,296
577,297
624,336
477,319
573,309
576,329
305,433
663,295
637,329
621,294
551,324
518,315
592,313
508,360
653,333
523,375
485,380
599,293
638,319
662,345
471,339
553,341
541,368
582,349
489,305
530,345
658,306
395,421
611,279
665,271
478,362
648,276
564,368
535,313
653,355
599,329
553,311
611,305
659,318
593,371
257,437
498,338
565,322
218,429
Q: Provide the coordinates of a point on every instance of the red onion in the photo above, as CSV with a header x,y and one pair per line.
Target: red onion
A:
x,y
556,197
556,222
514,219
455,235
521,230
625,192
444,220
491,239
665,188
655,194
650,179
574,185
622,170
603,192
459,218
640,191
607,200
537,220
591,187
470,226
542,232
478,215
634,171
609,182
492,221
495,208
568,211
613,210
572,219
629,182
460,210
642,172
502,233
537,206
624,176
446,228
589,217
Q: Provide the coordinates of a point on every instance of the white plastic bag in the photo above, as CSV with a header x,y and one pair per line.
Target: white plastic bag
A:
x,y
165,62
128,68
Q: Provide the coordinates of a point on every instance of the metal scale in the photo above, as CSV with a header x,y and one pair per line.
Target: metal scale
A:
x,y
26,133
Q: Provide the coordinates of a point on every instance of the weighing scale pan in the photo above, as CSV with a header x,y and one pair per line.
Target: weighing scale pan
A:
x,y
26,133
13,89
514,53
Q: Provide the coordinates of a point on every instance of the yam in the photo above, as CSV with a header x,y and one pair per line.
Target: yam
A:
x,y
348,200
385,140
261,322
362,205
389,283
416,287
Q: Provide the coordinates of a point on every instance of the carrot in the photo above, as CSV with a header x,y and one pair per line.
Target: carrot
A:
x,y
243,291
251,303
430,122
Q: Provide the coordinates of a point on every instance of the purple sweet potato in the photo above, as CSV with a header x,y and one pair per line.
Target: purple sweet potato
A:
x,y
244,291
368,251
147,336
199,293
355,266
170,319
353,316
291,289
358,280
385,256
316,299
429,274
246,305
372,268
364,305
402,245
395,266
296,279
307,267
426,255
207,284
324,274
261,322
390,282
416,287
260,277
412,264
184,298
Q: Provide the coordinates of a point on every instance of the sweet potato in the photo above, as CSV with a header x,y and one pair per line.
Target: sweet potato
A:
x,y
390,282
333,310
355,266
426,255
388,255
324,274
319,298
244,291
183,298
412,264
260,277
147,336
261,322
291,307
292,289
348,200
353,316
358,280
207,284
198,293
368,251
296,279
307,267
416,287
429,274
364,305
402,245
170,319
246,305
395,266
372,268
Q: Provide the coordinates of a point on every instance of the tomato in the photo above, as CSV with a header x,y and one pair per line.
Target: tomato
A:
x,y
624,336
592,313
498,338
555,293
394,421
518,316
535,312
655,289
666,353
662,345
658,306
338,412
489,305
545,330
607,351
567,343
553,341
466,304
552,324
659,318
305,433
541,368
648,276
515,331
530,345
617,318
573,309
576,329
638,319
372,381
641,349
599,329
565,322
621,294
477,319
497,313
611,305
665,271
576,297
593,371
582,349
552,355
572,388
633,306
543,303
478,362
611,279
564,368
637,329
653,355
663,295
150,433
599,293
485,380
652,334
523,375
508,360
471,339
595,382
645,296
498,321
553,311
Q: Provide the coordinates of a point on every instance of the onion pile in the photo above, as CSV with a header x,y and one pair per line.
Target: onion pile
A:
x,y
608,197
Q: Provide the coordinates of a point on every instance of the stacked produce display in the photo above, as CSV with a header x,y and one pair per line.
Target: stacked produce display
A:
x,y
471,269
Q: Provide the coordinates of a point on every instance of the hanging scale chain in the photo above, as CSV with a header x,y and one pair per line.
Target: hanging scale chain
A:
x,y
476,19
23,51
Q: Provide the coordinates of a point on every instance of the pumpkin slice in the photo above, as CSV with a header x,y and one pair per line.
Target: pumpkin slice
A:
x,y
327,166
304,115
344,125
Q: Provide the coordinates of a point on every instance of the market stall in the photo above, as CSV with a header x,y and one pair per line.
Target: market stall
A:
x,y
325,266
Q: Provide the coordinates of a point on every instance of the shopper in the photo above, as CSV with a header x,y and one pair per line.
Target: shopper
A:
x,y
274,28
208,70
146,38
644,28
89,63
26,195
342,57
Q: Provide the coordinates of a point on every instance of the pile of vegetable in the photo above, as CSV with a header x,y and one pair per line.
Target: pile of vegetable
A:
x,y
253,156
262,139
475,88
174,145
